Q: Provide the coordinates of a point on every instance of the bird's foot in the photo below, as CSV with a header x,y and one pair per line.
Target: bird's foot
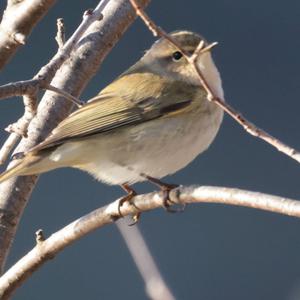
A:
x,y
166,188
135,218
130,194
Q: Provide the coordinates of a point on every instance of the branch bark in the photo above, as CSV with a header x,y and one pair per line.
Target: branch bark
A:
x,y
30,88
47,249
18,20
71,77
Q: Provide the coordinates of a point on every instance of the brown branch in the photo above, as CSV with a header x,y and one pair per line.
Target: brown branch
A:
x,y
247,125
18,20
50,247
72,78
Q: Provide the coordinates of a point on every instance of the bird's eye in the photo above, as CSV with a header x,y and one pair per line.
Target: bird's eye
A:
x,y
176,55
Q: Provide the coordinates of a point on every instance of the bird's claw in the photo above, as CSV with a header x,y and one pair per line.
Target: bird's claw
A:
x,y
167,201
135,218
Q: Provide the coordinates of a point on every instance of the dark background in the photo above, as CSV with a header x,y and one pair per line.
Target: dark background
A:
x,y
210,251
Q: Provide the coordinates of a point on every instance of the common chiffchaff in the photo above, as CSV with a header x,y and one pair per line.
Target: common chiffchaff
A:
x,y
153,120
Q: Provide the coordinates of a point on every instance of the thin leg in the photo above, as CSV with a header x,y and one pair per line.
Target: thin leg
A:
x,y
130,194
128,189
162,185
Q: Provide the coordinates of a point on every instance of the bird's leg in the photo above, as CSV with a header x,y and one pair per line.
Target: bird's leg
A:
x,y
165,188
130,194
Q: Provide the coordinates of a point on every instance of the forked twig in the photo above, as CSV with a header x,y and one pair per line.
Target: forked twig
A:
x,y
237,116
30,88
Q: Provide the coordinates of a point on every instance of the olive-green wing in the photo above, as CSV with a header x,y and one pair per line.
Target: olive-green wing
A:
x,y
105,113
120,104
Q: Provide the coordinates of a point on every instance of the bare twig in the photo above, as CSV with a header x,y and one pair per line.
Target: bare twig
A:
x,y
248,126
42,81
31,87
66,95
18,20
72,77
39,237
17,274
60,35
19,129
7,147
156,287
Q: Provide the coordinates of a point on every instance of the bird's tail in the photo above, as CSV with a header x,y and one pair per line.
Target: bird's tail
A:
x,y
29,165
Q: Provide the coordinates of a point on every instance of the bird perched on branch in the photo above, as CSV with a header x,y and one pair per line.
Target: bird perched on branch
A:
x,y
150,122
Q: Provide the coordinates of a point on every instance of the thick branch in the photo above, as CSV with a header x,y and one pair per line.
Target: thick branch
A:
x,y
47,249
72,77
18,20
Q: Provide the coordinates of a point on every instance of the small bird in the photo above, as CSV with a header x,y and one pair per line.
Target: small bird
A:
x,y
152,121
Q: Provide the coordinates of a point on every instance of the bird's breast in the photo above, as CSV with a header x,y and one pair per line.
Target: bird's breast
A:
x,y
157,148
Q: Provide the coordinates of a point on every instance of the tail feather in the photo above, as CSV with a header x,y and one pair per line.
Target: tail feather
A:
x,y
29,165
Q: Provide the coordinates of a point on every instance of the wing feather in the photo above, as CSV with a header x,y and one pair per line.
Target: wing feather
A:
x,y
97,117
108,111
